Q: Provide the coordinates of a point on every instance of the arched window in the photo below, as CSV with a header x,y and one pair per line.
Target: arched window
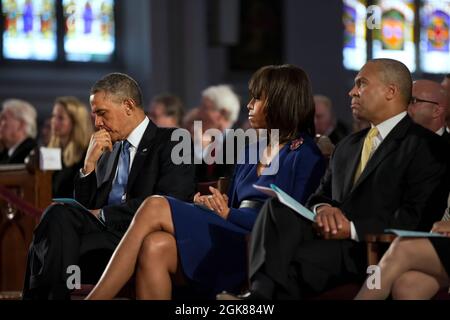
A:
x,y
58,30
412,31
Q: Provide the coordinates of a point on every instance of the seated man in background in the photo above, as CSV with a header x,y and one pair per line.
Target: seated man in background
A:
x,y
128,159
429,107
166,111
326,122
219,109
18,130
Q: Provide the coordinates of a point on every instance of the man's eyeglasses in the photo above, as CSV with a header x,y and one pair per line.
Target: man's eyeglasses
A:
x,y
415,100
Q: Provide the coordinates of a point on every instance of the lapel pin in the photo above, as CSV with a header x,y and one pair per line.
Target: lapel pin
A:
x,y
295,144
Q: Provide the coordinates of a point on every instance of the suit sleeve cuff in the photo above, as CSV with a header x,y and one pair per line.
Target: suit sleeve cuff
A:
x,y
316,206
101,215
353,233
82,175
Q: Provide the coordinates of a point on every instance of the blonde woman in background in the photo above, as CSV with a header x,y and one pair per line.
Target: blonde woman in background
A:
x,y
71,129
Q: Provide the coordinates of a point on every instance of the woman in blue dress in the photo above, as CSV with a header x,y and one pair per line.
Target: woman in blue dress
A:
x,y
205,242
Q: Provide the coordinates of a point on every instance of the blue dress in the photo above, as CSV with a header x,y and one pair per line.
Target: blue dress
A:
x,y
212,250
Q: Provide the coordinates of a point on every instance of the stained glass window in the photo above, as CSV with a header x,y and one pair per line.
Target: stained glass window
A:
x,y
29,29
355,46
89,30
434,36
395,38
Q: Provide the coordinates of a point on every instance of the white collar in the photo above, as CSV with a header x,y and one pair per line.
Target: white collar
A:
x,y
387,125
135,137
441,131
14,147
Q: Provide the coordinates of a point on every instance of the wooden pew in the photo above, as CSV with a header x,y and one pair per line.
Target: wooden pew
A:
x,y
24,193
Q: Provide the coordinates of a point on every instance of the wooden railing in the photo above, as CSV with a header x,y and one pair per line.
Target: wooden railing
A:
x,y
24,194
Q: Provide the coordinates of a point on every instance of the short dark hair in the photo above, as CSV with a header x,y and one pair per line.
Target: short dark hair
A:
x,y
289,99
396,72
173,107
119,85
447,75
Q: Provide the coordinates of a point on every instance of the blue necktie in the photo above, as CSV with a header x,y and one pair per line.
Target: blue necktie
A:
x,y
119,186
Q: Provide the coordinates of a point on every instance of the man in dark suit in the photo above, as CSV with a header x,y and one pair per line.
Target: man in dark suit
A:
x,y
391,176
128,159
17,130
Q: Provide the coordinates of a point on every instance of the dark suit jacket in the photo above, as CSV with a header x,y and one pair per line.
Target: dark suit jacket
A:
x,y
404,185
339,133
446,136
152,173
21,152
63,180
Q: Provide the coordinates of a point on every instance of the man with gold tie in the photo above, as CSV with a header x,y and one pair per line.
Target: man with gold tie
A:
x,y
392,175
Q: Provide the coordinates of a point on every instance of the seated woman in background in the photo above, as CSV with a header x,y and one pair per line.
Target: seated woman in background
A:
x,y
207,247
413,268
71,130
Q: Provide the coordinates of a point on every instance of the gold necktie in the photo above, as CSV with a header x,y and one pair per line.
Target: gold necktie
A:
x,y
366,151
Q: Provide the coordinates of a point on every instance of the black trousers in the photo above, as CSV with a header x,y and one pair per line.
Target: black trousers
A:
x,y
65,237
284,247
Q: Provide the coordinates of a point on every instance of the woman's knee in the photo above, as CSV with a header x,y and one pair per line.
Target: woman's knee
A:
x,y
156,247
153,201
404,287
400,249
152,206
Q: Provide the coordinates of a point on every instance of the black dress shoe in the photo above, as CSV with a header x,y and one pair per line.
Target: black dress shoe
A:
x,y
249,296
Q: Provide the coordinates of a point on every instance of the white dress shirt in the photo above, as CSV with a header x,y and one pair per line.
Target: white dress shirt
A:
x,y
14,147
135,138
440,131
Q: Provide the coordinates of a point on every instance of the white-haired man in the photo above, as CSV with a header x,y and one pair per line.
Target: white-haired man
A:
x,y
219,109
18,130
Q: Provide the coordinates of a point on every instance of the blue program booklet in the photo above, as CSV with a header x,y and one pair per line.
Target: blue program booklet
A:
x,y
287,200
74,203
414,234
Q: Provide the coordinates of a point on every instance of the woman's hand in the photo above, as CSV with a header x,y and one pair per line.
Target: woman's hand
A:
x,y
199,199
216,201
442,227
